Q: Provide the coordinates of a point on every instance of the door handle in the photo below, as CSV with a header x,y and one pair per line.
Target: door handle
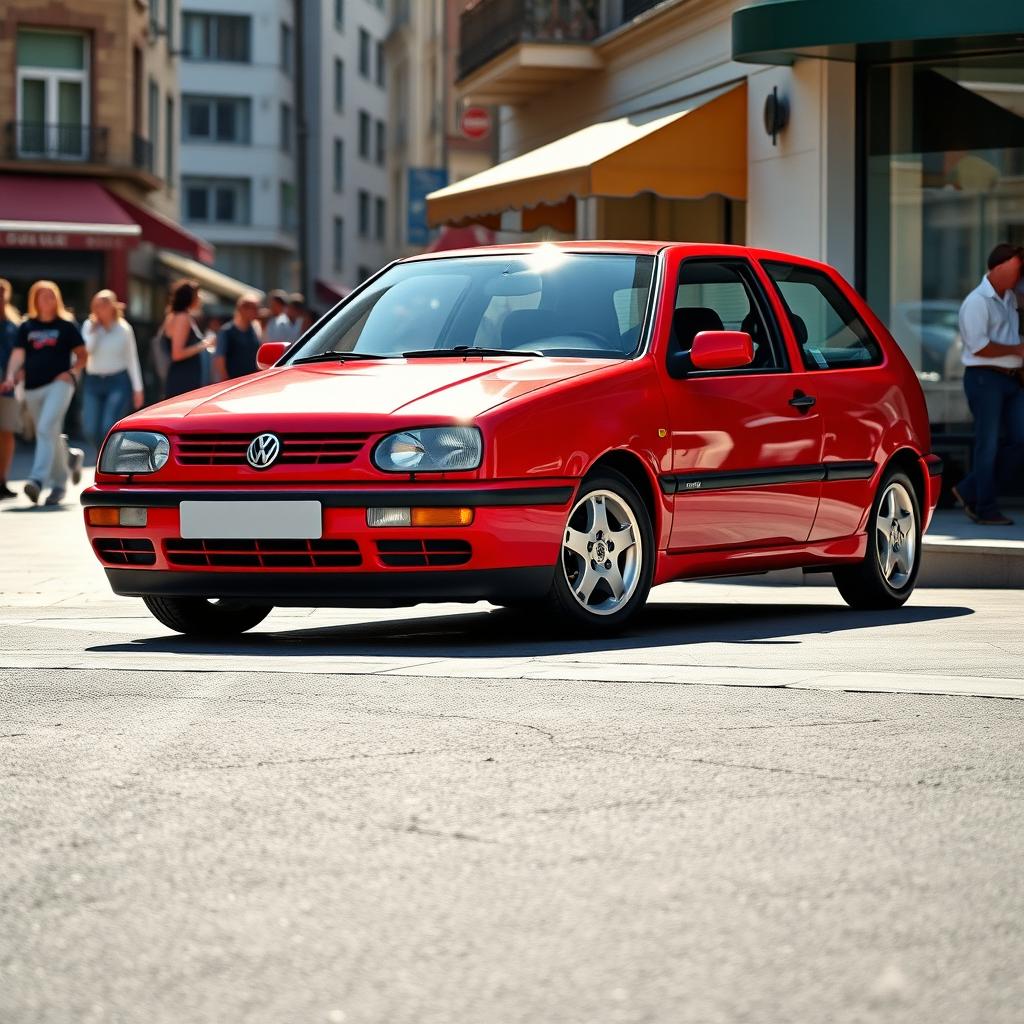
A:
x,y
801,401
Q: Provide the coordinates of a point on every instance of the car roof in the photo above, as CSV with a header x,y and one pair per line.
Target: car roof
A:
x,y
621,247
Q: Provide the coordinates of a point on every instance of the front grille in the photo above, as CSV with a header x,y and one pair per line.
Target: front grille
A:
x,y
419,553
264,554
296,449
125,550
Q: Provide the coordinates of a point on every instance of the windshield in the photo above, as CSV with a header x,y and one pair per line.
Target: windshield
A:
x,y
546,302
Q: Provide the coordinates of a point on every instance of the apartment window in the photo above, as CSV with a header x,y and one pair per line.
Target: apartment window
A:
x,y
364,53
216,118
286,127
339,84
380,64
380,219
169,141
287,48
154,17
154,120
339,15
53,94
364,214
339,244
170,24
217,37
339,165
364,134
217,200
381,144
289,218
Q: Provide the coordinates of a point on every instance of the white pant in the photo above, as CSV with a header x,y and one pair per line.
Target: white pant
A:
x,y
48,406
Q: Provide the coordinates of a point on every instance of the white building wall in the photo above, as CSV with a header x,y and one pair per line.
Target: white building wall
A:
x,y
263,160
326,40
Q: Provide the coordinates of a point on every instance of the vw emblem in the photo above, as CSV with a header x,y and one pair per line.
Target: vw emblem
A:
x,y
263,451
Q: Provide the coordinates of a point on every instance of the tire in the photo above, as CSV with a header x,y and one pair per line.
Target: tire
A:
x,y
600,597
199,616
886,576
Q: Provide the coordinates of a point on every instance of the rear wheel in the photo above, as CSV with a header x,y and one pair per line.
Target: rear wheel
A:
x,y
606,564
208,617
886,576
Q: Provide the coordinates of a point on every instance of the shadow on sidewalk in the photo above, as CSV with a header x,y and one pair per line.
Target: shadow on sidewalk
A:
x,y
503,633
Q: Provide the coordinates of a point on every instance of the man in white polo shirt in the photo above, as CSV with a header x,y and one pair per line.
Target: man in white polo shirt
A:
x,y
992,356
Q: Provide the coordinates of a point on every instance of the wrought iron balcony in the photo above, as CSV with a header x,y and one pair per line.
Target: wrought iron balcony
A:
x,y
142,153
39,141
490,27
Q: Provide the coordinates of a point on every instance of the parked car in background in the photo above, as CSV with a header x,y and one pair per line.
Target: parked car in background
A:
x,y
556,426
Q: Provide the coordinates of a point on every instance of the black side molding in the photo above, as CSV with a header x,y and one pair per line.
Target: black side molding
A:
x,y
682,483
362,498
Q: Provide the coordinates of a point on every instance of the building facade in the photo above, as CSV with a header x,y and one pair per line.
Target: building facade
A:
x,y
238,135
346,117
89,156
884,138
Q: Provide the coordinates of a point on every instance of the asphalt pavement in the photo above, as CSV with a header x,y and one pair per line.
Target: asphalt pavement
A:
x,y
754,806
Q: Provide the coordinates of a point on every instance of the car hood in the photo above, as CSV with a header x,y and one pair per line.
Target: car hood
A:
x,y
456,388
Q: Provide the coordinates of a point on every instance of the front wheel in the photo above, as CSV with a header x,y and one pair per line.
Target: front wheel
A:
x,y
606,564
886,576
207,617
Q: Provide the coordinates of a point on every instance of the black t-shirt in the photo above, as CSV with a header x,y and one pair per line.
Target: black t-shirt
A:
x,y
238,347
48,348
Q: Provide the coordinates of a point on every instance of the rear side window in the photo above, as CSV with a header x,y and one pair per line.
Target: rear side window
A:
x,y
830,333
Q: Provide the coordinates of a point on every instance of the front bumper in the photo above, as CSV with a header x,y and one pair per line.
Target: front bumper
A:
x,y
507,553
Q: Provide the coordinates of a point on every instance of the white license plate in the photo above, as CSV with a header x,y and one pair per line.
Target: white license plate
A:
x,y
251,520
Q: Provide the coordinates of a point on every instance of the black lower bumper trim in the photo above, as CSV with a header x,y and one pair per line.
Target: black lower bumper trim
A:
x,y
340,590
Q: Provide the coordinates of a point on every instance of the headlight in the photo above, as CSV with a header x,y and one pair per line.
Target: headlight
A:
x,y
430,450
134,451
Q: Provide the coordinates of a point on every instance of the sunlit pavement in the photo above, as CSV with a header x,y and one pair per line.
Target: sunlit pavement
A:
x,y
450,814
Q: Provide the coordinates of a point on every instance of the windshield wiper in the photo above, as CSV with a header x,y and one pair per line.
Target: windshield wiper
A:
x,y
467,350
341,357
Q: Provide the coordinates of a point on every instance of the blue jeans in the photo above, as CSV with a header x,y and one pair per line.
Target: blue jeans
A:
x,y
106,400
997,405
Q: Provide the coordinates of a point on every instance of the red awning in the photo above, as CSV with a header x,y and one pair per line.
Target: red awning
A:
x,y
461,238
330,291
62,213
164,233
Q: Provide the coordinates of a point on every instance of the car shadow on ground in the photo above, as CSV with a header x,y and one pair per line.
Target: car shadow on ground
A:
x,y
503,633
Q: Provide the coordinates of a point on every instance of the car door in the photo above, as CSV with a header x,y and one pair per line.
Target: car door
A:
x,y
854,393
746,443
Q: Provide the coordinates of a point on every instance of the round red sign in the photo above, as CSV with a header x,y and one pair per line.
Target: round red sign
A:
x,y
475,122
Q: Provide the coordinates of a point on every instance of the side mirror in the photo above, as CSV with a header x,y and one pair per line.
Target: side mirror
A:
x,y
269,353
722,350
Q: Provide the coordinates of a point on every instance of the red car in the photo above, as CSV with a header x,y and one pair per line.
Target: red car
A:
x,y
559,426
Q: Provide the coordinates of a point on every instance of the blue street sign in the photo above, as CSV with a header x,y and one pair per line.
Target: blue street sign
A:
x,y
422,181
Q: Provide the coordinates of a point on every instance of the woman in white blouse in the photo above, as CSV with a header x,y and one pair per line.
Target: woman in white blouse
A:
x,y
113,377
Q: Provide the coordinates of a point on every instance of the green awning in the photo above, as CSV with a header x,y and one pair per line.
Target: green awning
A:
x,y
779,31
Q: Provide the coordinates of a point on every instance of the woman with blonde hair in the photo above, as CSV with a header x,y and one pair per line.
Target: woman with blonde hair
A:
x,y
10,408
183,341
113,376
52,354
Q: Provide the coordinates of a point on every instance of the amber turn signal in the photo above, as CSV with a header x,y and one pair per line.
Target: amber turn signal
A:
x,y
442,516
116,516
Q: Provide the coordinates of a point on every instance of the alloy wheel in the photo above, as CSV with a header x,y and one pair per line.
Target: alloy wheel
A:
x,y
602,552
896,536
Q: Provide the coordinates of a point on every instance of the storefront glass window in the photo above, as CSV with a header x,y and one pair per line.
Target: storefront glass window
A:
x,y
944,184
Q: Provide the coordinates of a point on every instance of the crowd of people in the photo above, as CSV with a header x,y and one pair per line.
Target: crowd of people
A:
x,y
46,356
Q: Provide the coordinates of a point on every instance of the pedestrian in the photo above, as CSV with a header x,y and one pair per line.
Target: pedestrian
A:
x,y
50,350
239,340
183,341
297,313
992,355
10,407
279,327
113,376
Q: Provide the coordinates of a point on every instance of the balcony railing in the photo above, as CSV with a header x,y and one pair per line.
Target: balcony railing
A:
x,y
35,140
490,27
142,153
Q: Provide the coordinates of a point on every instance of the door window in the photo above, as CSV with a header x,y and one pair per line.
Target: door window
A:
x,y
830,333
716,295
52,95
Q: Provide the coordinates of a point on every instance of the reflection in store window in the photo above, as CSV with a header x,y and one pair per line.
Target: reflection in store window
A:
x,y
945,183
